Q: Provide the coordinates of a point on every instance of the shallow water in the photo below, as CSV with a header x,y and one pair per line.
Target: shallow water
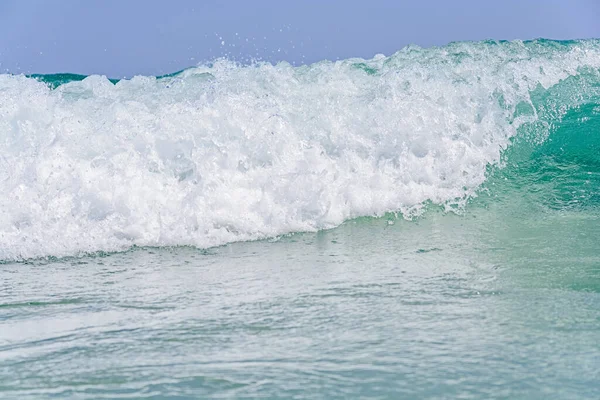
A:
x,y
377,308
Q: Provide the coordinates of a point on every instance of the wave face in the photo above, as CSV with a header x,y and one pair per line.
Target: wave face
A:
x,y
224,152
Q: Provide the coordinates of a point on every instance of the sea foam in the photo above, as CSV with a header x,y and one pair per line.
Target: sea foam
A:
x,y
224,152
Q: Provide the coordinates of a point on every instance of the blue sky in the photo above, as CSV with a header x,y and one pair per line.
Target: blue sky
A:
x,y
127,37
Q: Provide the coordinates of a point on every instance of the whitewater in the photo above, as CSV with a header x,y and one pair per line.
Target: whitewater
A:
x,y
224,152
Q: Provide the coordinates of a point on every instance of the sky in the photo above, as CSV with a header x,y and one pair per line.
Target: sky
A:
x,y
122,38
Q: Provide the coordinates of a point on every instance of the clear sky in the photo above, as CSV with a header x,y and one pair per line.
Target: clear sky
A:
x,y
126,37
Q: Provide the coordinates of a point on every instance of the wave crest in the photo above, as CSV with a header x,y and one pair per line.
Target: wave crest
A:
x,y
224,152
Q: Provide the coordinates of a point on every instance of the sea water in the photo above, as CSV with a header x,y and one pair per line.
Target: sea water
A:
x,y
424,225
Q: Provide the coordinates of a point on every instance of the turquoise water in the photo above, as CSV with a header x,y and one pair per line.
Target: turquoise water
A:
x,y
434,308
418,226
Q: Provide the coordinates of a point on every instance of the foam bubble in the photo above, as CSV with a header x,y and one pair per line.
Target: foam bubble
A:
x,y
224,152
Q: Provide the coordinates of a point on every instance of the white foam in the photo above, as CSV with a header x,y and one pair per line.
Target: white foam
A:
x,y
224,153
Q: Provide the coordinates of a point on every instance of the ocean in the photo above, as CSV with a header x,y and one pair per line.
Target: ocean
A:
x,y
424,225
